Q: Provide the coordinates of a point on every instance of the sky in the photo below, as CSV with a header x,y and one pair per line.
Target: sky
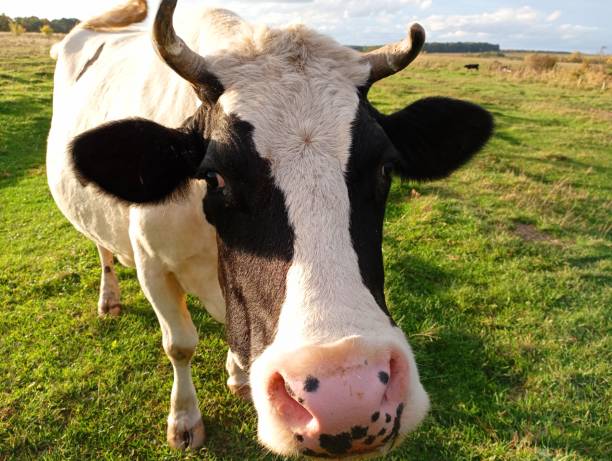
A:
x,y
555,25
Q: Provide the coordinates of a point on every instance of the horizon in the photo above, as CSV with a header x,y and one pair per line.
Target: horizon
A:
x,y
559,26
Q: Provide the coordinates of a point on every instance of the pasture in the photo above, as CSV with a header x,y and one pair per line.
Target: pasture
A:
x,y
501,277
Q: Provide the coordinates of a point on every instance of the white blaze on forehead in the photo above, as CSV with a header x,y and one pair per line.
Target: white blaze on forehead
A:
x,y
299,91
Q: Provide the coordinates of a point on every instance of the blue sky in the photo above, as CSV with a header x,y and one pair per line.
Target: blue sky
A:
x,y
563,25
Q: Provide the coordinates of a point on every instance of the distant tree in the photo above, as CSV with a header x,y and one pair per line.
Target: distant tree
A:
x,y
16,28
35,24
5,22
64,25
32,23
46,30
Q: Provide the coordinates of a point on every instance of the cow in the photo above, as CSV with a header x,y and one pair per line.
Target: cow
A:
x,y
245,165
475,67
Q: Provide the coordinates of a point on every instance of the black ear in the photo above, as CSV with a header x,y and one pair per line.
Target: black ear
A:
x,y
435,136
138,160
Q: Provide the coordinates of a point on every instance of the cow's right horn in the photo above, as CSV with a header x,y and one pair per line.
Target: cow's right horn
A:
x,y
391,59
173,50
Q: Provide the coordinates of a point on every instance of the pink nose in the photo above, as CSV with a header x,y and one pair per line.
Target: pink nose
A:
x,y
349,409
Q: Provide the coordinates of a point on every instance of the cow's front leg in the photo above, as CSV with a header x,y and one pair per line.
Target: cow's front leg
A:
x,y
185,427
109,302
238,381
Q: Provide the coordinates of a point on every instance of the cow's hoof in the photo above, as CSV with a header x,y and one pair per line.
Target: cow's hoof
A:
x,y
109,311
182,438
243,391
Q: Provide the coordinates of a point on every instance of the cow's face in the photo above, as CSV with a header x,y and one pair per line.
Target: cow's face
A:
x,y
298,165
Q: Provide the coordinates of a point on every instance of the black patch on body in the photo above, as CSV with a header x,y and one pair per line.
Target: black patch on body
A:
x,y
299,437
384,377
359,432
91,61
375,416
311,384
370,440
387,418
336,444
107,269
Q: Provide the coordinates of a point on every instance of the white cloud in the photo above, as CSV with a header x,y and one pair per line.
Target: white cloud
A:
x,y
552,17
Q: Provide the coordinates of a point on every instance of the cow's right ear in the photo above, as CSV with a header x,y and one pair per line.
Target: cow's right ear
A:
x,y
137,160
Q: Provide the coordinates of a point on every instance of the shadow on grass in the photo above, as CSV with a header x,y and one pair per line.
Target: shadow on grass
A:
x,y
23,146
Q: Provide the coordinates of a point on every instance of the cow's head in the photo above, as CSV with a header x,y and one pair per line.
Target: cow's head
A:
x,y
298,165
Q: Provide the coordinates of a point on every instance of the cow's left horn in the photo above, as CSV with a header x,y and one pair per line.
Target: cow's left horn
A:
x,y
394,57
173,50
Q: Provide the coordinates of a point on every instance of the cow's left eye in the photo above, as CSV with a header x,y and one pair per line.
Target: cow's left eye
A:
x,y
214,181
387,170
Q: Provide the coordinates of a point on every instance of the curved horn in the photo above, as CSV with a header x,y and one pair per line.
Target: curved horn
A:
x,y
173,50
394,57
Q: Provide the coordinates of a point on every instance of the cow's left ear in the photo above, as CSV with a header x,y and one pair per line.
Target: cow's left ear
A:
x,y
137,160
435,136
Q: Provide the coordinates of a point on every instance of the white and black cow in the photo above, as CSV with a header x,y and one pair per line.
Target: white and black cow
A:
x,y
245,165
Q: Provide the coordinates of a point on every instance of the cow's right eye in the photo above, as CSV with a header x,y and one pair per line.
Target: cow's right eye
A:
x,y
214,181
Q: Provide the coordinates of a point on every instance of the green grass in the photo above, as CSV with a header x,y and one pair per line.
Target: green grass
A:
x,y
501,277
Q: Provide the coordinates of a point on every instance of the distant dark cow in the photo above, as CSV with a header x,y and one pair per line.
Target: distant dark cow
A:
x,y
472,66
246,165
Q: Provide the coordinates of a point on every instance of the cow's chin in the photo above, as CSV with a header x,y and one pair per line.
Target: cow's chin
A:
x,y
369,417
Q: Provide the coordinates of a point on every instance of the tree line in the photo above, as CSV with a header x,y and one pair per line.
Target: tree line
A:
x,y
35,24
450,47
461,47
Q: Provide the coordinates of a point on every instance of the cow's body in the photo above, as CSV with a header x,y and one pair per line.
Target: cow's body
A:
x,y
261,186
129,80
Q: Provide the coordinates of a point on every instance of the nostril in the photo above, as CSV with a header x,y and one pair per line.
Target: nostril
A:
x,y
287,404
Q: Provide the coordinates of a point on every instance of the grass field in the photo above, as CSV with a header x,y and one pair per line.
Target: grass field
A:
x,y
500,276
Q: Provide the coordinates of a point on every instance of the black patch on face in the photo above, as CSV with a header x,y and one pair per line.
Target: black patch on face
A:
x,y
368,191
314,454
254,238
375,416
336,444
384,377
311,384
91,61
396,425
299,438
359,432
